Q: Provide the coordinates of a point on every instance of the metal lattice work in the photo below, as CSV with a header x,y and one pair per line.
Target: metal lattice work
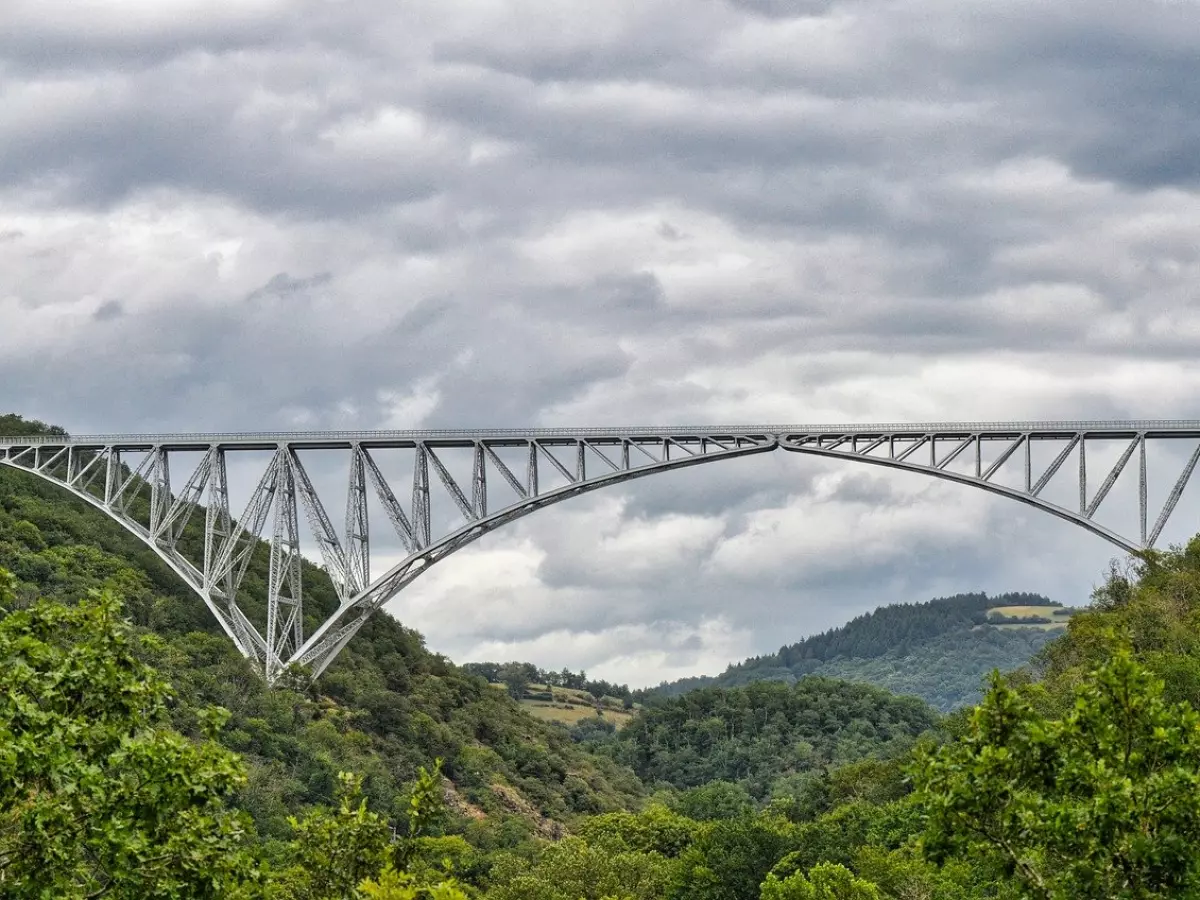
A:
x,y
510,474
502,475
983,457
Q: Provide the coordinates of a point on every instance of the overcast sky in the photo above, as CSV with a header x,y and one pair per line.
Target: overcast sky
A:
x,y
328,214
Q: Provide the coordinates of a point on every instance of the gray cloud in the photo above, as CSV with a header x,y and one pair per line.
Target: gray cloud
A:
x,y
284,285
109,309
303,215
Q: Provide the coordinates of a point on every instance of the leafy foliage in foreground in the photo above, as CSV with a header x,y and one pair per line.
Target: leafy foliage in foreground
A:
x,y
1102,803
1085,786
98,795
1084,783
827,881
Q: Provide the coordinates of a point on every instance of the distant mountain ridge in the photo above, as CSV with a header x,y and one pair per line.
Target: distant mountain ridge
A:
x,y
939,650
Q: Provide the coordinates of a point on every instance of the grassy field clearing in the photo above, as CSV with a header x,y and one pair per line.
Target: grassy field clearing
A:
x,y
570,706
1058,616
1016,612
569,715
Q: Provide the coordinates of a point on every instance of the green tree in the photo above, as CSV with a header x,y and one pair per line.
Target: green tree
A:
x,y
730,859
334,850
904,874
98,796
1153,605
656,829
827,881
716,800
425,854
345,853
393,885
516,678
573,869
1102,803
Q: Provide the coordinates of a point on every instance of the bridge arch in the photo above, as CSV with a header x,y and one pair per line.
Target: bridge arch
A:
x,y
1076,518
111,473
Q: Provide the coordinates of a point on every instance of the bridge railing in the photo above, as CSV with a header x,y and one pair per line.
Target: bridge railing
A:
x,y
275,437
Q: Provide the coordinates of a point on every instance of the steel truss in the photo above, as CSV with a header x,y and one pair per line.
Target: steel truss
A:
x,y
129,478
502,476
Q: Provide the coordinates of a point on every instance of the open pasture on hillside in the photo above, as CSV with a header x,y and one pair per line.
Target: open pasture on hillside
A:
x,y
1004,616
570,706
570,714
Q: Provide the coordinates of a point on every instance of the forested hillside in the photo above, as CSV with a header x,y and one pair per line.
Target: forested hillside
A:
x,y
386,707
1073,786
767,735
940,650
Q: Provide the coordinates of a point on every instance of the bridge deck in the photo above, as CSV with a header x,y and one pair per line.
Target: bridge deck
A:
x,y
466,436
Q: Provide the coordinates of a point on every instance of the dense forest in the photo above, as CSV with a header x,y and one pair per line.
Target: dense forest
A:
x,y
140,757
940,650
763,736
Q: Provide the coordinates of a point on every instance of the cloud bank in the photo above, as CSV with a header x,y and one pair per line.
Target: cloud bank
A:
x,y
315,214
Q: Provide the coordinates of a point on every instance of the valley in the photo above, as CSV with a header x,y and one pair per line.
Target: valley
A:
x,y
401,775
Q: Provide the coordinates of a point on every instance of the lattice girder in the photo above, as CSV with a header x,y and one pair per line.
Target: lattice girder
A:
x,y
130,479
507,474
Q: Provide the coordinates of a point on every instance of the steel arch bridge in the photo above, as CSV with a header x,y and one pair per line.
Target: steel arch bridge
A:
x,y
502,475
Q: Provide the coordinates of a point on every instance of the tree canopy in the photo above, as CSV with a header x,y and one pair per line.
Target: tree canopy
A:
x,y
141,757
99,796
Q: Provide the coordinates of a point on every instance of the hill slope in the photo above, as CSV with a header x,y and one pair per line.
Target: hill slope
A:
x,y
565,697
764,733
387,705
384,708
940,650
